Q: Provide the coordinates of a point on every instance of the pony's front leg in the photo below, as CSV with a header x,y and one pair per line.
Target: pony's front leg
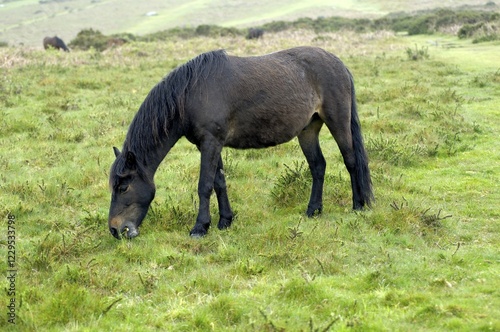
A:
x,y
210,155
225,212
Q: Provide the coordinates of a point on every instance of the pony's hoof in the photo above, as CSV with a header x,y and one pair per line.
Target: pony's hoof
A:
x,y
224,223
199,231
313,212
196,235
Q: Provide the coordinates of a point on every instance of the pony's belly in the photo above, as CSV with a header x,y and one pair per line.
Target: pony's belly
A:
x,y
262,136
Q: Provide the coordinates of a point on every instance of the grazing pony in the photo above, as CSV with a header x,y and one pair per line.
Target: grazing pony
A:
x,y
54,42
255,33
216,100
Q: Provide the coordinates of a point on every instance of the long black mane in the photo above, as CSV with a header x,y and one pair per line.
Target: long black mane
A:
x,y
165,103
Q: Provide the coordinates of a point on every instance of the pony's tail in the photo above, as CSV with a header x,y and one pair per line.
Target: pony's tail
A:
x,y
362,172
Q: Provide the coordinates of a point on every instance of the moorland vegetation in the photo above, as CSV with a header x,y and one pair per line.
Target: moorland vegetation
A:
x,y
423,258
478,25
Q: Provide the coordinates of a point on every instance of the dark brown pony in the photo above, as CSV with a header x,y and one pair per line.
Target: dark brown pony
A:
x,y
54,42
255,33
217,100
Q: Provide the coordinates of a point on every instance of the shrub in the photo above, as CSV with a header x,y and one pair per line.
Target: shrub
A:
x,y
481,32
166,34
467,30
277,26
423,25
216,31
90,38
292,185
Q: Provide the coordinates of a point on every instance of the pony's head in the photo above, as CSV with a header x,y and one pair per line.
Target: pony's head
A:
x,y
132,191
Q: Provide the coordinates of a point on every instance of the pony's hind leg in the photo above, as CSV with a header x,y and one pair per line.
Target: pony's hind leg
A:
x,y
309,143
340,128
225,212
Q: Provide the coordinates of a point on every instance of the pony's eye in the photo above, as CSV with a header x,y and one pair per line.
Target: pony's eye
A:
x,y
122,189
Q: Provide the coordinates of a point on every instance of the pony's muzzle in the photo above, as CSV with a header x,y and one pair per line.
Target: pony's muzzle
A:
x,y
127,230
130,231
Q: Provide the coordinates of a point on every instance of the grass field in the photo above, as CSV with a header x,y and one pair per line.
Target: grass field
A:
x,y
29,21
424,258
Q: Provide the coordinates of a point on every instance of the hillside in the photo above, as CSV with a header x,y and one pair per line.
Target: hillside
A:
x,y
28,21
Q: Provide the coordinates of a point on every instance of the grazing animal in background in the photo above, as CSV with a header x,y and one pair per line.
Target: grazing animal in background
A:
x,y
54,42
255,33
217,100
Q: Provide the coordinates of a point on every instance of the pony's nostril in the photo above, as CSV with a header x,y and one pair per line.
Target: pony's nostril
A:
x,y
115,232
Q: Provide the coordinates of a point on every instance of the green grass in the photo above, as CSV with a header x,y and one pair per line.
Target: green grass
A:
x,y
425,257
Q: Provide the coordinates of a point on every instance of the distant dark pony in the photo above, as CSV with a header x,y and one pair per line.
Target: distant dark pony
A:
x,y
215,101
54,42
255,33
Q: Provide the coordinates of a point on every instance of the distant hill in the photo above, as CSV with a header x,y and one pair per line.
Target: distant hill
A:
x,y
28,21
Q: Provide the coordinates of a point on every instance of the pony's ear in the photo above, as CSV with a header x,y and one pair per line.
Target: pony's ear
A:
x,y
117,152
131,161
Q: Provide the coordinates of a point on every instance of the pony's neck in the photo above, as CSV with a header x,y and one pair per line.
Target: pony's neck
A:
x,y
158,125
152,157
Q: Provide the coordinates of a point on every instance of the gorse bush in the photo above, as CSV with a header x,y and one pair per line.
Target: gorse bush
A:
x,y
480,32
89,38
422,25
322,24
216,31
